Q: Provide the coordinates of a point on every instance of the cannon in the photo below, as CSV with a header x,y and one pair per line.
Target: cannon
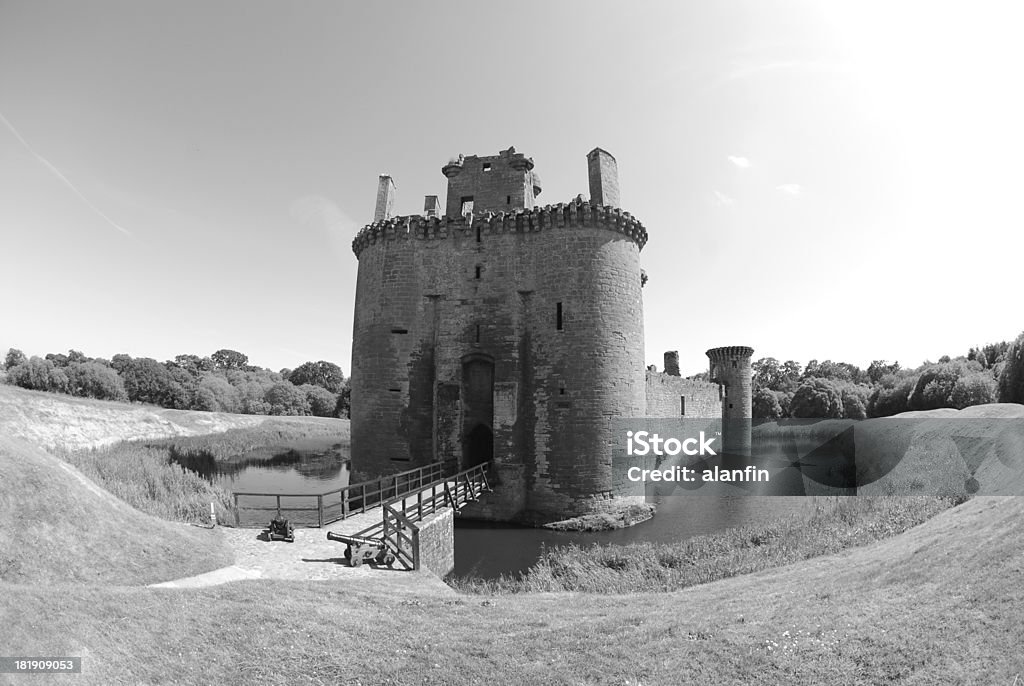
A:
x,y
363,549
280,529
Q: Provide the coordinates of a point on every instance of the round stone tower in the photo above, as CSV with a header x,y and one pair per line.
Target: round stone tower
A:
x,y
501,332
730,369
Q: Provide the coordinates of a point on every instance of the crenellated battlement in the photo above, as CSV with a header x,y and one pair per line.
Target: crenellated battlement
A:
x,y
729,352
575,213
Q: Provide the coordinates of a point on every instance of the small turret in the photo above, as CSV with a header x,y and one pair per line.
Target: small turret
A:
x,y
731,370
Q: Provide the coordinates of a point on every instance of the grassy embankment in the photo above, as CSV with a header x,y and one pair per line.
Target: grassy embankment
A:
x,y
830,525
940,603
139,468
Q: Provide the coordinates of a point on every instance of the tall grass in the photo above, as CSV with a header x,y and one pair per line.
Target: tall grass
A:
x,y
831,524
143,473
144,477
235,442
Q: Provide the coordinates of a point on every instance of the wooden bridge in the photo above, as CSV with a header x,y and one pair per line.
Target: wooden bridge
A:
x,y
403,501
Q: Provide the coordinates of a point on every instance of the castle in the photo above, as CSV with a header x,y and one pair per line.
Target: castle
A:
x,y
504,332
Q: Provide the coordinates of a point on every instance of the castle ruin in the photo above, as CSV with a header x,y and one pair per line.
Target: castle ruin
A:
x,y
499,331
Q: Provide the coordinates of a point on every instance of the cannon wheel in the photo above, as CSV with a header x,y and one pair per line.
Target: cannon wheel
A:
x,y
389,559
348,552
356,560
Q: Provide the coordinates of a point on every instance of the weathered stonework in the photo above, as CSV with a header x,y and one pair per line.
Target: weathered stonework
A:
x,y
437,542
508,333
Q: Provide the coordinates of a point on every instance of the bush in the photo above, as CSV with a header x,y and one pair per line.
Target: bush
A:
x,y
978,388
891,396
817,398
322,403
765,404
284,398
94,380
38,375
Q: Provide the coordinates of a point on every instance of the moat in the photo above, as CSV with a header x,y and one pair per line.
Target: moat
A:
x,y
485,549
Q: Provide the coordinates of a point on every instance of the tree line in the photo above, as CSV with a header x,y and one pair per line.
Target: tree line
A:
x,y
221,382
986,374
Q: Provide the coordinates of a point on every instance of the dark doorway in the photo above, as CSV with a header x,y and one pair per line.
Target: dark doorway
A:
x,y
479,446
477,410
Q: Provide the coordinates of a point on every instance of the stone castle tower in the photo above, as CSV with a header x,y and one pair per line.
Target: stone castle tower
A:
x,y
501,331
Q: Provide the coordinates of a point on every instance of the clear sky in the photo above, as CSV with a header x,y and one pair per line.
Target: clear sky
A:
x,y
819,180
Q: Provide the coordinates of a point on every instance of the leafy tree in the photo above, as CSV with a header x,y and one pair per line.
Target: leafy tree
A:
x,y
935,382
14,358
284,398
855,401
76,357
148,381
344,406
840,371
322,403
1011,377
38,375
817,398
215,394
58,359
765,404
879,368
766,373
978,388
229,359
93,380
891,394
193,364
322,373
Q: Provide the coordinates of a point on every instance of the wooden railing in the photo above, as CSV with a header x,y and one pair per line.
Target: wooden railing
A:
x,y
347,500
399,519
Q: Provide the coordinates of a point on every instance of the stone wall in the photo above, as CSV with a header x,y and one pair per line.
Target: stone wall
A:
x,y
437,542
665,391
433,293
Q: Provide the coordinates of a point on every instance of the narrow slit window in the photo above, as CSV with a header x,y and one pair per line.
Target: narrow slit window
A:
x,y
478,234
478,271
508,199
477,333
734,364
558,316
682,404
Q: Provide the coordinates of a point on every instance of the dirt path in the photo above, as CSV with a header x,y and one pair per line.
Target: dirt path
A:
x,y
312,558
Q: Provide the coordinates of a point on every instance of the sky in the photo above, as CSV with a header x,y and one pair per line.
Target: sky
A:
x,y
818,180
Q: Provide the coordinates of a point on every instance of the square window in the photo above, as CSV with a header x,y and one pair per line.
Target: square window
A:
x,y
487,166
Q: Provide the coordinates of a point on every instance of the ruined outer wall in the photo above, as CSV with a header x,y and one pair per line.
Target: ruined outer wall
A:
x,y
554,390
665,390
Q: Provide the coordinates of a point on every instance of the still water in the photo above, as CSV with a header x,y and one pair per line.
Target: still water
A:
x,y
489,550
481,549
315,465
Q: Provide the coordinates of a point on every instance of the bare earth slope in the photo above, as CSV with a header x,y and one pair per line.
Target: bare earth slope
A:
x,y
58,525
